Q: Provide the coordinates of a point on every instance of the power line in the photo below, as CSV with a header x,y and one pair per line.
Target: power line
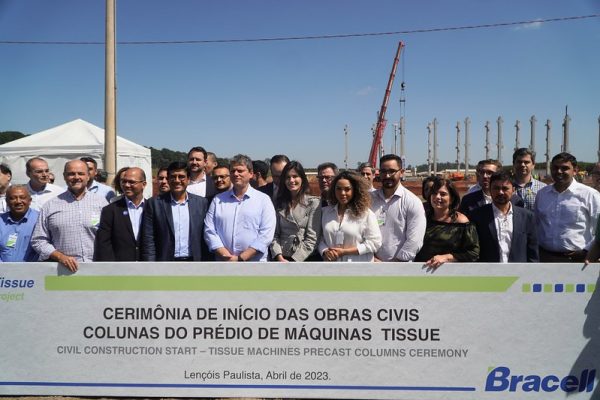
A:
x,y
318,37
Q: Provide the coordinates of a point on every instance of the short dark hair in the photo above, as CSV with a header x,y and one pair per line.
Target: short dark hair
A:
x,y
326,165
162,169
89,159
523,151
565,157
221,165
501,176
279,158
389,157
261,168
481,163
5,169
177,166
197,149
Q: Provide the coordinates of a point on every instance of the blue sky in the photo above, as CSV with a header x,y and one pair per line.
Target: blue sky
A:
x,y
295,97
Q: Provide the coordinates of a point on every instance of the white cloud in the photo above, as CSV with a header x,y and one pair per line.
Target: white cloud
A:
x,y
365,91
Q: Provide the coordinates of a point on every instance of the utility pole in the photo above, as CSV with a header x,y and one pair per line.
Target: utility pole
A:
x,y
532,122
517,135
429,148
435,145
346,146
395,145
457,146
500,142
110,102
548,151
565,146
467,129
487,140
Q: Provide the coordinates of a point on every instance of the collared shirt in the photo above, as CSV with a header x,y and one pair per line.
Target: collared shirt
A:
x,y
198,187
487,198
504,230
102,190
566,221
360,232
69,226
240,224
3,206
528,192
135,215
15,237
474,188
181,226
38,199
402,222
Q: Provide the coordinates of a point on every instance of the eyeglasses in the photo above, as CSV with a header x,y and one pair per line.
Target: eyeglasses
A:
x,y
220,177
325,178
388,172
129,182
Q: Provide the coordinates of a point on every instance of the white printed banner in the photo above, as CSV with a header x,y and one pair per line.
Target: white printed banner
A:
x,y
302,330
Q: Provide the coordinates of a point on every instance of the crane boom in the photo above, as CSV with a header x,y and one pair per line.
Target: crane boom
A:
x,y
381,121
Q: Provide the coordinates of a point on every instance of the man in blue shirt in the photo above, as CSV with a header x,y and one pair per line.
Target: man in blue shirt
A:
x,y
240,223
16,227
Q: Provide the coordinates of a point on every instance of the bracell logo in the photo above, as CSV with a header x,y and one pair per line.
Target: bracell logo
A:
x,y
500,379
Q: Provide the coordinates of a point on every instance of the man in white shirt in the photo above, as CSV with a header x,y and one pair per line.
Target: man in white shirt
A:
x,y
400,214
506,233
40,189
200,183
566,214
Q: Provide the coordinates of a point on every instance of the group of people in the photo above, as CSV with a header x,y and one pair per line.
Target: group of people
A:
x,y
231,212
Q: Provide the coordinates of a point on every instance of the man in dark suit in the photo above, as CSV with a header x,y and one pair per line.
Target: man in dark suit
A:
x,y
506,233
276,166
174,222
477,198
118,236
200,183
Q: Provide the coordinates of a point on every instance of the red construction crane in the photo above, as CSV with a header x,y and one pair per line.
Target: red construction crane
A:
x,y
381,121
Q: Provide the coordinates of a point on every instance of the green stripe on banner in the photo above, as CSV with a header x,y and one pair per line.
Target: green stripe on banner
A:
x,y
283,283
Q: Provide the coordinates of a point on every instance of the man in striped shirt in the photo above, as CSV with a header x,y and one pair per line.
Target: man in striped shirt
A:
x,y
67,223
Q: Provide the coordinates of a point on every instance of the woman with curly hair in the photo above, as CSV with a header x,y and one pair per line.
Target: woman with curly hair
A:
x,y
298,228
350,230
449,237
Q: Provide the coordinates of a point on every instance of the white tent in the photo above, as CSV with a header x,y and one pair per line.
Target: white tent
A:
x,y
69,141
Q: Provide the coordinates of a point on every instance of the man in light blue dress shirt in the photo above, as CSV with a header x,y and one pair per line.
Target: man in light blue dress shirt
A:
x,y
16,227
240,223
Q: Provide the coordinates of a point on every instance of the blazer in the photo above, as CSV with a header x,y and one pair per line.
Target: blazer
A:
x,y
475,200
524,243
114,239
298,233
267,189
211,191
158,237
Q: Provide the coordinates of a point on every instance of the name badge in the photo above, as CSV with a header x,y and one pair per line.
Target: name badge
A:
x,y
95,220
339,238
12,240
